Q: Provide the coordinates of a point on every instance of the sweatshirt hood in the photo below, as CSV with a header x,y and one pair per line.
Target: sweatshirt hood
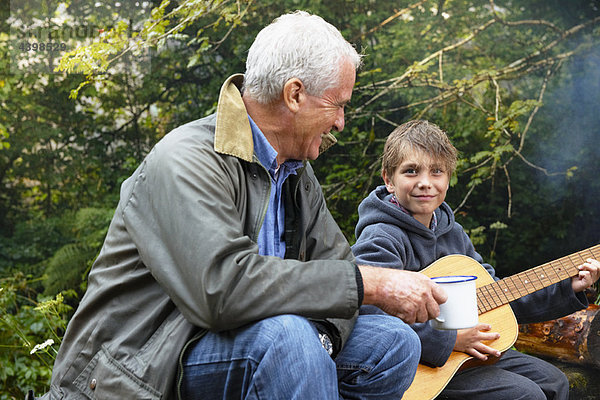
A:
x,y
377,208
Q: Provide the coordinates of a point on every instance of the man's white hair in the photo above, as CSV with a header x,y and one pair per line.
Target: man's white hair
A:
x,y
296,45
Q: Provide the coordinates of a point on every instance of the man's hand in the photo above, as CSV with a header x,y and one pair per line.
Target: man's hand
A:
x,y
588,274
410,296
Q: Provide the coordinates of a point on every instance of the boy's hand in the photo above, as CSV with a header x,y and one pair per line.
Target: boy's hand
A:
x,y
410,296
589,272
470,341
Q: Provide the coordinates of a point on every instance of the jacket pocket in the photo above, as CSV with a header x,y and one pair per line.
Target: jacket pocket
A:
x,y
105,378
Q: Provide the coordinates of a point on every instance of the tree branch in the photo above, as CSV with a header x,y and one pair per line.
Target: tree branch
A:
x,y
388,20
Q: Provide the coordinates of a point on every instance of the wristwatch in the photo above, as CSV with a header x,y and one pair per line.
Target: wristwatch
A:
x,y
326,343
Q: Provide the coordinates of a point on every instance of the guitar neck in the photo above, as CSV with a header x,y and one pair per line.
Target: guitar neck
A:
x,y
504,291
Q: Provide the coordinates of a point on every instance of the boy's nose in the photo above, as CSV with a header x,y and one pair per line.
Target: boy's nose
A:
x,y
424,183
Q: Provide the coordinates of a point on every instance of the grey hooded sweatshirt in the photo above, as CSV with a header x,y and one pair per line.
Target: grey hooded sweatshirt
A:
x,y
386,236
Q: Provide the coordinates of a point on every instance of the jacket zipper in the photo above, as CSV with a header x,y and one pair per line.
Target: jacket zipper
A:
x,y
266,203
195,338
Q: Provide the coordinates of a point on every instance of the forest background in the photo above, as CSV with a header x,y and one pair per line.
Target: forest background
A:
x,y
516,85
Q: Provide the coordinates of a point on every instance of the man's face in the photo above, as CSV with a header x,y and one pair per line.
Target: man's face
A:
x,y
320,115
420,184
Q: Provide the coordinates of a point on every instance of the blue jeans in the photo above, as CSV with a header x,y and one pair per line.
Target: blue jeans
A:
x,y
282,358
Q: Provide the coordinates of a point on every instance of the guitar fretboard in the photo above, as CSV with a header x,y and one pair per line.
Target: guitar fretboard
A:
x,y
504,291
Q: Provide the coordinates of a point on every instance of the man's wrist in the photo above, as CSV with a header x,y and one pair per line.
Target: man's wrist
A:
x,y
360,286
369,276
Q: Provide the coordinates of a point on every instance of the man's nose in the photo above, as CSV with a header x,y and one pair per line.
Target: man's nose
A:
x,y
339,122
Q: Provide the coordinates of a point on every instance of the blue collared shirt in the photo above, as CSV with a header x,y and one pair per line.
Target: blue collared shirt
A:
x,y
270,238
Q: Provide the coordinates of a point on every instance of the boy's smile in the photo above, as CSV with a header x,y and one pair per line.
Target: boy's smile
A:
x,y
420,184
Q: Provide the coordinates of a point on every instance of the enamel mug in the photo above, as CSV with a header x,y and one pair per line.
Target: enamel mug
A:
x,y
460,310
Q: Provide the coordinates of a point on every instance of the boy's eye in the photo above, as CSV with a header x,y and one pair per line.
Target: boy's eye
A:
x,y
410,171
438,171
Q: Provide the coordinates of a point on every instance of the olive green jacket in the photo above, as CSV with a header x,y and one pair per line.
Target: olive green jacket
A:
x,y
181,258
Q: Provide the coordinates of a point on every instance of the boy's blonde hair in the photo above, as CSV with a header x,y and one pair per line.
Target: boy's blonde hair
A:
x,y
418,135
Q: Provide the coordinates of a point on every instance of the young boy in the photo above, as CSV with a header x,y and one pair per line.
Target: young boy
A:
x,y
407,225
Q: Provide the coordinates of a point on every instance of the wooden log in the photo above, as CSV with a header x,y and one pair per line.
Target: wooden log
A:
x,y
572,339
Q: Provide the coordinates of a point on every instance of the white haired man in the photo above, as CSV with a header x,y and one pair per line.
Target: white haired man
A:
x,y
223,275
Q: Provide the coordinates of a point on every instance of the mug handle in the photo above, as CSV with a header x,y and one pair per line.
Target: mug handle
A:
x,y
440,320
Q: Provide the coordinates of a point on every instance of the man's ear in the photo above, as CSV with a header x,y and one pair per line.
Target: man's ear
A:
x,y
294,94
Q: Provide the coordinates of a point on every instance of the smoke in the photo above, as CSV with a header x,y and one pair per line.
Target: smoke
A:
x,y
567,134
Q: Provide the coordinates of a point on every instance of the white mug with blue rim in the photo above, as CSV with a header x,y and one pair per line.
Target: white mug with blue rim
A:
x,y
460,310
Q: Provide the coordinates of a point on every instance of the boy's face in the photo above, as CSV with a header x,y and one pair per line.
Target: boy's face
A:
x,y
420,184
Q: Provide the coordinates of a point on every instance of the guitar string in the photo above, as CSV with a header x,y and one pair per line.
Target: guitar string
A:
x,y
563,268
480,306
486,298
485,303
521,284
504,290
495,292
535,279
496,295
553,270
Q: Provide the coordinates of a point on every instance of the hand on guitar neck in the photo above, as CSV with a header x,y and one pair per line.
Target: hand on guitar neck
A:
x,y
473,341
589,272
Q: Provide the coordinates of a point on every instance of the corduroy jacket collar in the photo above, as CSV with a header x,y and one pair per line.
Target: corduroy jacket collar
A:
x,y
233,135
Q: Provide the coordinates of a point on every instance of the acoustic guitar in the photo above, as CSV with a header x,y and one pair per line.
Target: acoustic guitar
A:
x,y
492,302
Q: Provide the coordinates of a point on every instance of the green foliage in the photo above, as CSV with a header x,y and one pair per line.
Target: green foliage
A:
x,y
477,235
67,268
32,241
167,22
515,85
30,333
478,72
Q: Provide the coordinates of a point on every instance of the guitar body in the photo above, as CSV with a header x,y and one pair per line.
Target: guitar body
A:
x,y
430,381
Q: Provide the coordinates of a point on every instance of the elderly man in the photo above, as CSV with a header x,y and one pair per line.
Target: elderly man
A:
x,y
223,275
